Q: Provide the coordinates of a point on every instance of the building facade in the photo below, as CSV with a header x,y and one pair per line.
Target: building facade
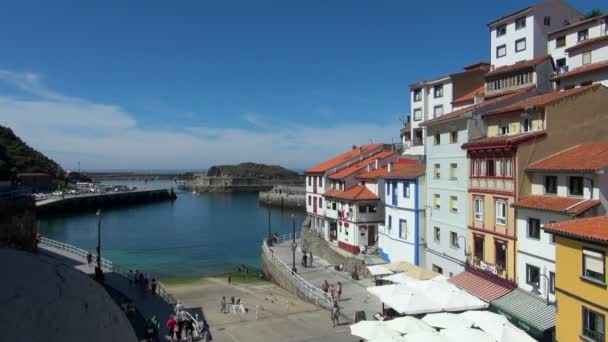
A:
x,y
581,247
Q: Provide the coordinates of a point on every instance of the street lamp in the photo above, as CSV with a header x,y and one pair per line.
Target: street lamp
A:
x,y
536,287
269,233
98,269
293,242
466,255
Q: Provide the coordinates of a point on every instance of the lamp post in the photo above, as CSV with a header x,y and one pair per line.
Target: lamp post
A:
x,y
269,233
98,269
466,255
536,286
293,242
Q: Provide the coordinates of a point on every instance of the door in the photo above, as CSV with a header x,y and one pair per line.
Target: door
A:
x,y
394,193
314,205
371,235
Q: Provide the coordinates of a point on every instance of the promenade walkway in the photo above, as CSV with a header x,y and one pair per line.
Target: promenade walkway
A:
x,y
147,304
354,294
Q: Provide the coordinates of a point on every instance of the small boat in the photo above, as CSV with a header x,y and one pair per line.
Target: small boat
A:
x,y
195,193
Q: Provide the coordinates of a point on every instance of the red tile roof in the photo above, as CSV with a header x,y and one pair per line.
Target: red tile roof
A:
x,y
407,171
360,165
482,285
374,173
582,70
576,23
356,193
334,162
477,106
470,96
587,42
539,101
563,205
593,228
519,65
501,140
580,158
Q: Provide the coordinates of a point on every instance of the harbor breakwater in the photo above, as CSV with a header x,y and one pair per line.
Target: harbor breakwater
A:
x,y
284,196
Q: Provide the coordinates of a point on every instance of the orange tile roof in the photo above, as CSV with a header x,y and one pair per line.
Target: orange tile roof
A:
x,y
360,165
375,173
356,193
477,106
593,228
334,162
558,204
501,140
587,42
331,192
580,158
583,69
470,95
519,65
576,23
407,171
539,101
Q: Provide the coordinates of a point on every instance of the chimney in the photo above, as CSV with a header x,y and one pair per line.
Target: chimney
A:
x,y
375,163
354,147
390,166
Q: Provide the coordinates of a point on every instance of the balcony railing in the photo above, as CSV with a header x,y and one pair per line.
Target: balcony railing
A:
x,y
496,184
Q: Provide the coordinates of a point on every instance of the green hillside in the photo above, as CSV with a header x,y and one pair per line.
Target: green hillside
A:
x,y
253,170
17,157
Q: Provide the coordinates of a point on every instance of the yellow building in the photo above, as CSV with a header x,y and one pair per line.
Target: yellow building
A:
x,y
581,247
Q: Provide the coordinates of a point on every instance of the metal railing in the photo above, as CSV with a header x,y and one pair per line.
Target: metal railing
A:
x,y
309,291
286,237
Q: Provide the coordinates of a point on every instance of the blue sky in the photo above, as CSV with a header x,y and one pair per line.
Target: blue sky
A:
x,y
188,84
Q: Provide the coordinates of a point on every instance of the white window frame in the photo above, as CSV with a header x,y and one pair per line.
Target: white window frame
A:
x,y
402,232
437,201
454,204
453,171
437,171
478,208
586,58
499,48
501,30
518,23
417,114
438,110
454,240
436,234
595,261
501,212
517,42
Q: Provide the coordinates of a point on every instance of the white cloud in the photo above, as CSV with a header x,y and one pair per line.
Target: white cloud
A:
x,y
104,136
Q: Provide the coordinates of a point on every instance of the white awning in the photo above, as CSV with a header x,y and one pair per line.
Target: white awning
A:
x,y
377,270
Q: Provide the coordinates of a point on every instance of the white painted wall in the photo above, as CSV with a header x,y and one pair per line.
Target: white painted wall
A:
x,y
595,30
538,187
509,39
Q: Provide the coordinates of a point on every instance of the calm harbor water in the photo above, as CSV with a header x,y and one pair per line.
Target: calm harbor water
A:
x,y
194,235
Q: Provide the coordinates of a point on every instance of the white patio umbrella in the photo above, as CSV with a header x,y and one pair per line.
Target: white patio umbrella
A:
x,y
399,278
511,333
426,337
389,339
497,326
405,299
448,295
371,330
409,325
446,320
467,335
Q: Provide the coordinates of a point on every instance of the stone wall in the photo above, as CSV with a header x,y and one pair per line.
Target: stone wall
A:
x,y
284,197
311,242
18,223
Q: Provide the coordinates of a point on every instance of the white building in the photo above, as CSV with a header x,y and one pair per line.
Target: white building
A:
x,y
402,236
580,51
522,35
436,97
571,184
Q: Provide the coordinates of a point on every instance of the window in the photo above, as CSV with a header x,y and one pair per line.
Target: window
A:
x,y
479,208
520,23
417,95
526,123
551,185
437,138
478,246
454,240
437,269
437,171
560,41
491,168
501,30
309,200
501,51
532,275
576,186
371,209
583,35
482,168
520,45
390,222
501,213
453,136
476,168
309,181
438,90
593,265
560,65
417,114
453,170
438,110
328,204
320,202
499,168
552,282
388,188
500,255
547,21
508,168
320,181
362,209
586,57
333,205
594,325
533,228
453,204
437,234
403,229
406,190
436,201
503,128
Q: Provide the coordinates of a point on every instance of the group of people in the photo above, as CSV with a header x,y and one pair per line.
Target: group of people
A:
x,y
181,326
335,291
306,259
142,280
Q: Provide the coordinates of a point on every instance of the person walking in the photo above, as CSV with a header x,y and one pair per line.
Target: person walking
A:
x,y
339,290
153,285
89,259
325,286
178,307
332,291
229,280
304,260
310,259
171,324
335,314
156,325
205,331
223,305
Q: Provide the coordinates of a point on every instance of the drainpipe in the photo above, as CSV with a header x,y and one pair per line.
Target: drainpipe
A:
x,y
416,225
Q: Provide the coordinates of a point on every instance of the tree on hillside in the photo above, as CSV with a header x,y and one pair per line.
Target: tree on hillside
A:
x,y
594,13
